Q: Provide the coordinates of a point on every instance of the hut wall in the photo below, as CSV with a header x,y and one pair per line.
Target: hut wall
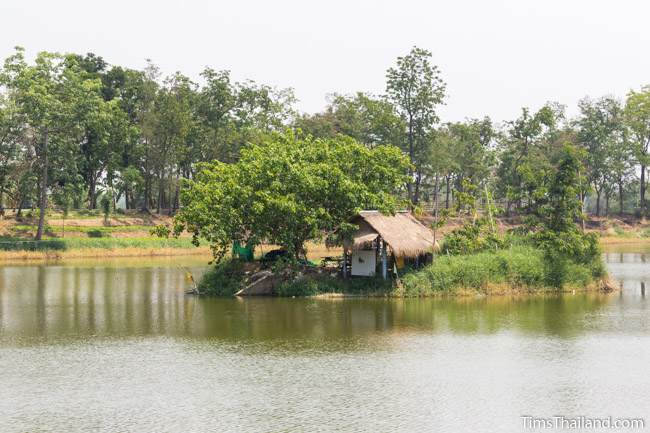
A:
x,y
364,263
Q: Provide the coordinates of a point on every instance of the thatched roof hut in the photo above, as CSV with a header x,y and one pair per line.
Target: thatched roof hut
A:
x,y
405,235
383,239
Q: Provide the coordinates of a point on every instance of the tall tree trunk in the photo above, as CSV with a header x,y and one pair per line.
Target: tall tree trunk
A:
x,y
161,189
435,209
21,205
127,202
177,193
642,191
43,200
447,193
147,178
598,192
620,198
607,195
409,186
2,202
92,196
170,198
416,194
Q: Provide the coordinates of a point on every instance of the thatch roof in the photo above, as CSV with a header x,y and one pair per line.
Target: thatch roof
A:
x,y
364,236
405,235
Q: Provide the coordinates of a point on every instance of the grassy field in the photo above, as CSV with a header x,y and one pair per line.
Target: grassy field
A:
x,y
87,234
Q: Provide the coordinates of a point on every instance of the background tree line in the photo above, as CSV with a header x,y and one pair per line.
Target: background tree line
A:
x,y
74,128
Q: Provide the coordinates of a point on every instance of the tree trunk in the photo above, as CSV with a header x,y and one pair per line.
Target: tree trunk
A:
x,y
170,198
409,186
177,193
598,192
43,200
161,190
92,196
447,193
416,194
607,194
642,191
620,198
435,210
21,205
147,178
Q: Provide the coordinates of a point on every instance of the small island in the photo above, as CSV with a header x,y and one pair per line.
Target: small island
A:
x,y
295,189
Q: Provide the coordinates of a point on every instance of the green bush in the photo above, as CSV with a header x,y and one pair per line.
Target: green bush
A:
x,y
307,287
224,279
315,285
97,233
472,237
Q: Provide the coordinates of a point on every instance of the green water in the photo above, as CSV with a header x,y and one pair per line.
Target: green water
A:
x,y
115,346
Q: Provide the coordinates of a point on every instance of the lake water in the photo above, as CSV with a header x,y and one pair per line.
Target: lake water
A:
x,y
115,346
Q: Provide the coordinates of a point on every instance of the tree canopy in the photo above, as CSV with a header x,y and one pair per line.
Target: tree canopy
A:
x,y
288,189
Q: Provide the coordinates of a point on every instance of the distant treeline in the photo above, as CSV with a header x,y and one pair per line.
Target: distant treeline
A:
x,y
76,131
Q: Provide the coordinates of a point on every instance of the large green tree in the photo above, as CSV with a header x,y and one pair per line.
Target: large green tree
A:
x,y
637,116
12,148
524,149
55,96
557,212
416,88
600,132
289,189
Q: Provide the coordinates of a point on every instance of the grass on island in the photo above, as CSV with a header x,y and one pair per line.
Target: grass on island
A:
x,y
519,268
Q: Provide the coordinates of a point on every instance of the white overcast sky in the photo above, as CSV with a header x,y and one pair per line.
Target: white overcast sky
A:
x,y
496,56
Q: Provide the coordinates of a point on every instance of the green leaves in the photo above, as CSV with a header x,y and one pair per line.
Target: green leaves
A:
x,y
288,189
415,87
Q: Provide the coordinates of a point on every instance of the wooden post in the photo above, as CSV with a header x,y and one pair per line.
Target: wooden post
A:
x,y
384,264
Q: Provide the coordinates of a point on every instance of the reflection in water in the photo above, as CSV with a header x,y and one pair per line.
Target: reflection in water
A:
x,y
87,347
54,301
45,302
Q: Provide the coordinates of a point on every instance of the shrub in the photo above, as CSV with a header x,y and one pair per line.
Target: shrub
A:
x,y
224,279
307,287
318,284
472,237
97,233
